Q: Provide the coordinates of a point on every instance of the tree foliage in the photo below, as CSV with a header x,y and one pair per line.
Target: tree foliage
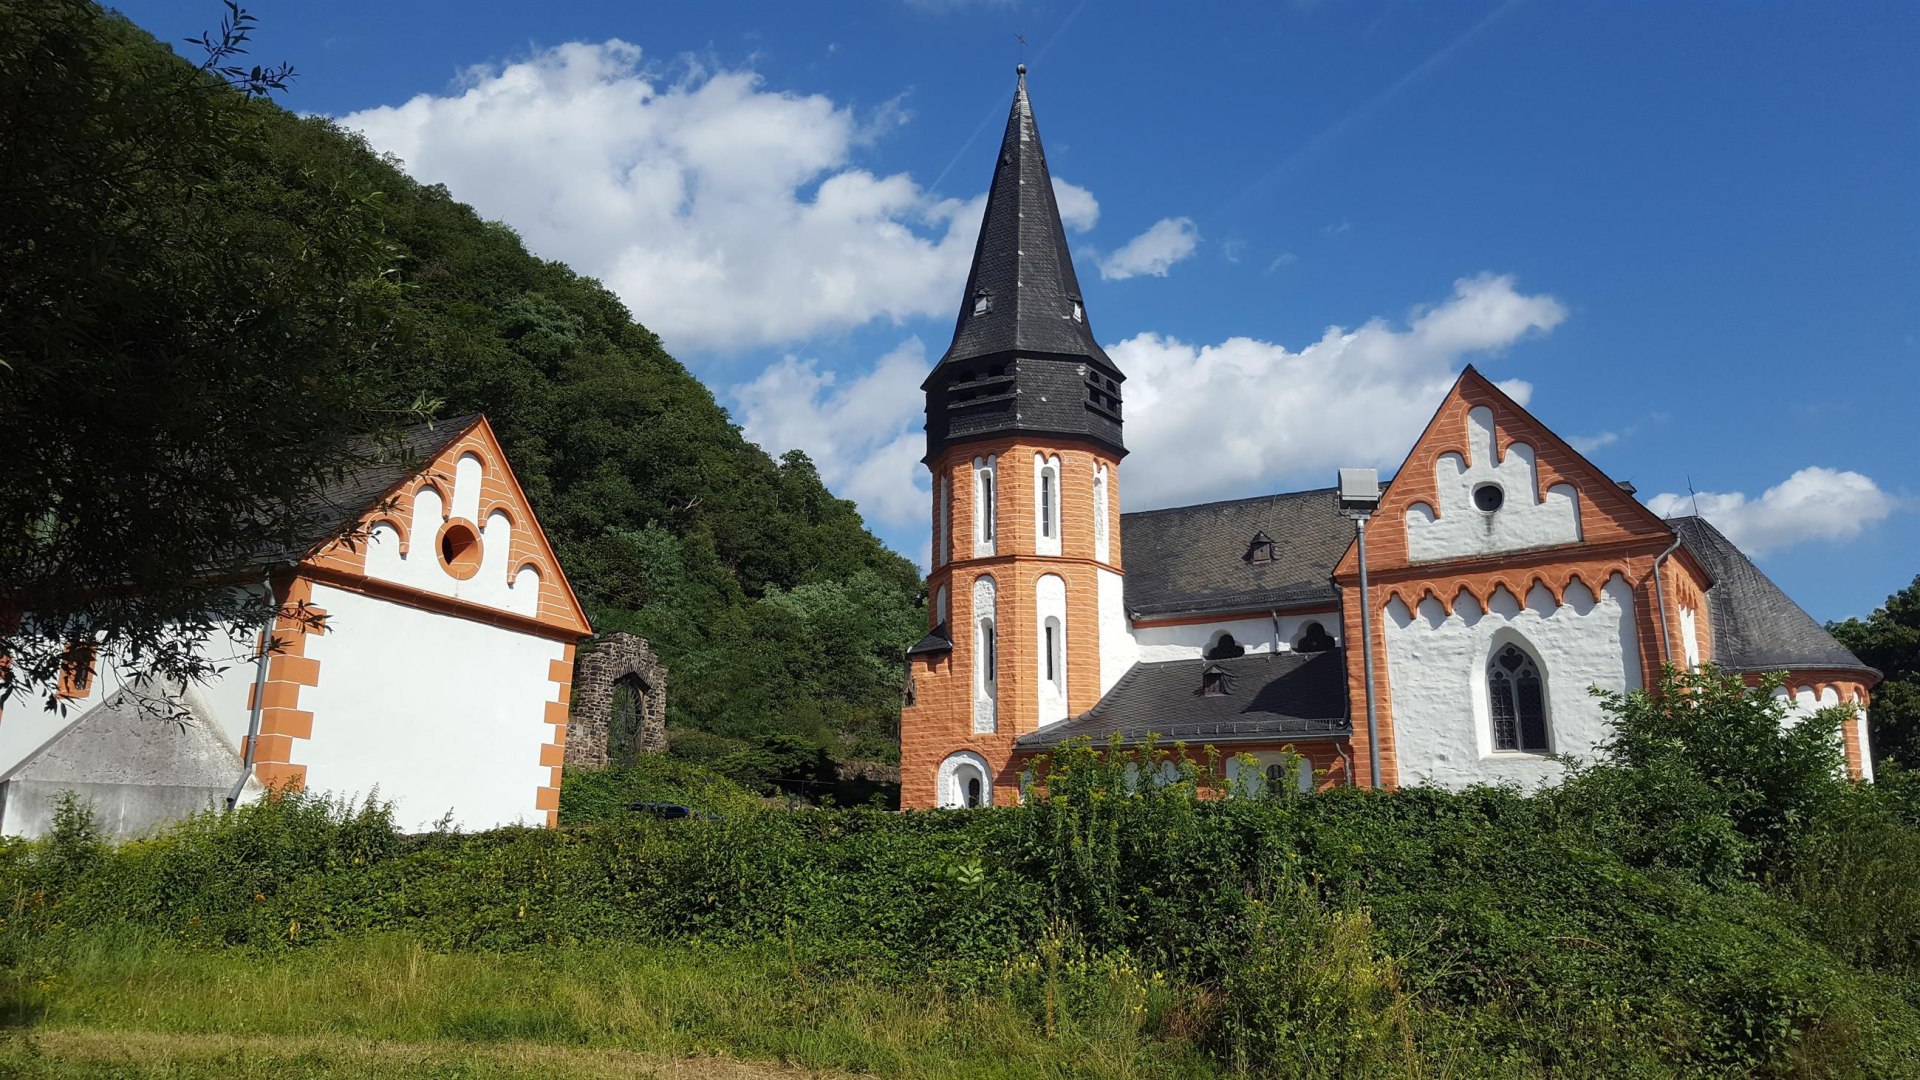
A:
x,y
1889,639
194,338
206,298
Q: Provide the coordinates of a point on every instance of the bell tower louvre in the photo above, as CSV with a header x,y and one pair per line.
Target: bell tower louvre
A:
x,y
1024,445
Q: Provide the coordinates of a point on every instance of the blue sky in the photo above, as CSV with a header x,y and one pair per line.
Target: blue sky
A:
x,y
1688,235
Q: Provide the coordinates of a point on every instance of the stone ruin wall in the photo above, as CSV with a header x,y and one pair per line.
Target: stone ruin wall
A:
x,y
612,658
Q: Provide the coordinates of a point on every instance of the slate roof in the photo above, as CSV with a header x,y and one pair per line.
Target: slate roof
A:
x,y
342,500
938,640
1269,697
1194,558
127,739
1021,261
1755,626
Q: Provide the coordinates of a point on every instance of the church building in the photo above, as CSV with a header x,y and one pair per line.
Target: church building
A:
x,y
1504,576
423,653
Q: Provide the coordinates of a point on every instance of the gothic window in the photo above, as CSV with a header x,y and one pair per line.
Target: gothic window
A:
x,y
985,506
1225,648
1517,702
1313,638
1049,511
940,538
626,724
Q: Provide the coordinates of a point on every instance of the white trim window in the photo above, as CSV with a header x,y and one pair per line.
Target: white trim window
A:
x,y
986,658
986,506
1046,503
943,511
964,781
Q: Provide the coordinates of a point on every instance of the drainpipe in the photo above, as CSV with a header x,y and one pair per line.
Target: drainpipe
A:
x,y
1275,616
259,696
1660,598
1366,655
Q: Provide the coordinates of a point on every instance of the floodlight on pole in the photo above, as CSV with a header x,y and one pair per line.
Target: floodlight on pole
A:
x,y
1359,498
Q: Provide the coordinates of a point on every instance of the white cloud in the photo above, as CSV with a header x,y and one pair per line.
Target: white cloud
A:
x,y
1153,252
726,215
1204,422
1245,416
1813,504
1587,444
1079,210
865,435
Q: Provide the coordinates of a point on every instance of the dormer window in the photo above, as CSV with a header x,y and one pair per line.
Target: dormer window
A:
x,y
1214,682
1079,313
982,303
1260,548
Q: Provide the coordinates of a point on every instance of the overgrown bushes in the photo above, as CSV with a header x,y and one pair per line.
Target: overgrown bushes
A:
x,y
1350,933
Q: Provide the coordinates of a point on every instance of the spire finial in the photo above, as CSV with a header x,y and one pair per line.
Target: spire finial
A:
x,y
1020,70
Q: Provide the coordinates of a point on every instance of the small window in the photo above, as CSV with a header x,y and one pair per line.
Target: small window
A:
x,y
1053,662
1489,497
1079,314
459,549
1516,698
989,655
1260,548
1314,638
1225,648
986,507
1214,682
973,791
982,303
1046,502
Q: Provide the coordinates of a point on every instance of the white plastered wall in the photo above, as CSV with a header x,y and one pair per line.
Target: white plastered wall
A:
x,y
1436,671
1803,701
1117,649
421,567
437,712
1190,641
1459,529
1050,602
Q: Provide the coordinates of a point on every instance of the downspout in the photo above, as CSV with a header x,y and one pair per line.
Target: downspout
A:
x,y
259,696
1366,656
1660,598
1275,616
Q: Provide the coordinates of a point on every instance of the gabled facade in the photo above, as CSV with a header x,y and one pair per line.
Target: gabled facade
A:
x,y
1507,576
425,652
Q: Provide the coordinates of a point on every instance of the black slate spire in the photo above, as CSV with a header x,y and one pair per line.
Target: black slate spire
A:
x,y
1023,358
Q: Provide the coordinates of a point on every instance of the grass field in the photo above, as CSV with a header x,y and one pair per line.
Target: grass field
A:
x,y
387,1007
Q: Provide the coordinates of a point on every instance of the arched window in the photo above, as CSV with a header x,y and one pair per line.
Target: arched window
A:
x,y
941,541
989,657
985,506
986,658
1225,648
1101,549
1049,501
1517,701
1056,661
964,781
1313,638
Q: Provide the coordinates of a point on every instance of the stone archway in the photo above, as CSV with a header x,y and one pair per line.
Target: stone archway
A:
x,y
619,702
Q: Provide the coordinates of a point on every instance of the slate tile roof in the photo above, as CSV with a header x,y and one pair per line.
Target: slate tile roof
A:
x,y
1191,559
1756,627
342,500
938,640
1268,697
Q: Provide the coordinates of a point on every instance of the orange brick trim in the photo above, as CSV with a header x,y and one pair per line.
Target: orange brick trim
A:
x,y
553,753
289,671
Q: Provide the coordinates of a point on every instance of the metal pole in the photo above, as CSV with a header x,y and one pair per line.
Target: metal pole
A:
x,y
1366,652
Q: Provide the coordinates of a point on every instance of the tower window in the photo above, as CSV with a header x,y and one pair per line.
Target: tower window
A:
x,y
1046,502
1055,654
989,655
1079,313
1489,497
982,303
1516,700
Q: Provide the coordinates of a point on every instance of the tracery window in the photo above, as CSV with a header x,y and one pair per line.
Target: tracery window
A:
x,y
1517,701
1225,648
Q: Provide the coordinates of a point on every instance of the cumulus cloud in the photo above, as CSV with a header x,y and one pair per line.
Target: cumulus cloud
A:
x,y
864,434
1079,210
725,214
1813,504
1244,416
1153,252
1587,444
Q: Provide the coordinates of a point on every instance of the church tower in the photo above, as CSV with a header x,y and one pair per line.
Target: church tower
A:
x,y
1024,447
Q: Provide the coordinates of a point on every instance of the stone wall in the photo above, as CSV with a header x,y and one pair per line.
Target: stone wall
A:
x,y
607,661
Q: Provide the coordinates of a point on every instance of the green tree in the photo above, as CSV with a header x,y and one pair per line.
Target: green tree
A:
x,y
1890,640
191,339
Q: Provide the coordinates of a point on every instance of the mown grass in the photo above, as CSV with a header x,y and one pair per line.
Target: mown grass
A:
x,y
124,1006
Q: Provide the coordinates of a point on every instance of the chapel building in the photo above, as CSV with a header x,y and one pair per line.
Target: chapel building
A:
x,y
1507,575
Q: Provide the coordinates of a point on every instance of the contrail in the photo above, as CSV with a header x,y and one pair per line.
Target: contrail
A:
x,y
1369,107
995,110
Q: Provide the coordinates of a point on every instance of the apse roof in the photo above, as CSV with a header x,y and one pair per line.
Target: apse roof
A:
x,y
1197,558
1266,697
1755,626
